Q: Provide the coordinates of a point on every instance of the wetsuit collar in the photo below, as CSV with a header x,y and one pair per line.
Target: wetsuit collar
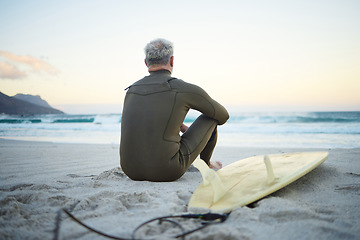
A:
x,y
160,72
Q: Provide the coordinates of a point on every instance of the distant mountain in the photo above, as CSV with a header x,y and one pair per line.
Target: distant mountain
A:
x,y
15,106
35,99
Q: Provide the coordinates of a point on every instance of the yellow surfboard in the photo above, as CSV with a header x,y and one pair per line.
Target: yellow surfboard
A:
x,y
250,179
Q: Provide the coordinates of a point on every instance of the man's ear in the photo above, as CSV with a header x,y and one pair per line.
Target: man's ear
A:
x,y
172,61
145,62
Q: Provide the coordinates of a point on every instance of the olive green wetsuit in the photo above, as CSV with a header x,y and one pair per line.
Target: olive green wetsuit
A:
x,y
155,107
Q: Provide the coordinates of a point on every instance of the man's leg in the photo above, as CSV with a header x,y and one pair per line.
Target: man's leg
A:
x,y
206,153
200,138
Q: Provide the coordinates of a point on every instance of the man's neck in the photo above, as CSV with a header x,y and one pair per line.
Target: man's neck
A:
x,y
157,68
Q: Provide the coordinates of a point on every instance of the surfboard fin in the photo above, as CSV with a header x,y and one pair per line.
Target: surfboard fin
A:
x,y
210,177
269,169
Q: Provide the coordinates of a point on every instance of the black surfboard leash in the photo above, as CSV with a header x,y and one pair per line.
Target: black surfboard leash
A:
x,y
207,220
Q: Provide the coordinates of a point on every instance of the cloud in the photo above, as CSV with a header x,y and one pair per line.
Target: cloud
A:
x,y
11,71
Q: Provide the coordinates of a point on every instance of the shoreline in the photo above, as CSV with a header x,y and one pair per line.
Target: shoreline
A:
x,y
40,178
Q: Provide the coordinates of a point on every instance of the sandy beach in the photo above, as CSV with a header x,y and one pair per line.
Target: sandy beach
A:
x,y
38,179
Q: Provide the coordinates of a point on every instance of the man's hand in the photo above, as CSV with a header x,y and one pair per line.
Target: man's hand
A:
x,y
183,128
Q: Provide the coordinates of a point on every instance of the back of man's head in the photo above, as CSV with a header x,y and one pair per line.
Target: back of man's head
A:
x,y
158,52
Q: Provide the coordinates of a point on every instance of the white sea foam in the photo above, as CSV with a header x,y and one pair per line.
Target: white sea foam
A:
x,y
323,129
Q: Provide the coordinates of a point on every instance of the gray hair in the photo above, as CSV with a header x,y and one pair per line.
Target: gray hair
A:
x,y
158,52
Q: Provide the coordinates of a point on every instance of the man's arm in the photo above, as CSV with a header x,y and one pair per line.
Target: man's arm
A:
x,y
196,98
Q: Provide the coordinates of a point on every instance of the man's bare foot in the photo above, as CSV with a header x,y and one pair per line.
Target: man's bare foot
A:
x,y
215,165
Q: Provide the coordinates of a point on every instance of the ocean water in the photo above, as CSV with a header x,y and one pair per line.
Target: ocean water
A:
x,y
298,129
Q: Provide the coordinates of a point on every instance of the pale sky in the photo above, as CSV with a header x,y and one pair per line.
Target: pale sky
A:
x,y
258,55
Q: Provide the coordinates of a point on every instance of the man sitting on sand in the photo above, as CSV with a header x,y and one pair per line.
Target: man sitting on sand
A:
x,y
154,110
